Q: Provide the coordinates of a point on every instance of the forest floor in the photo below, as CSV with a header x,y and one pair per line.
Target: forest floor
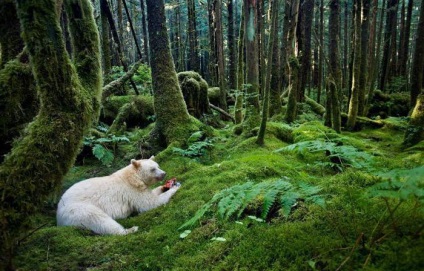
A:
x,y
354,202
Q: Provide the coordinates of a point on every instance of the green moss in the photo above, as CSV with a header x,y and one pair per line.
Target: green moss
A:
x,y
311,131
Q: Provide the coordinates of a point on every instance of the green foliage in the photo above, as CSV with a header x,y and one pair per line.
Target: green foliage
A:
x,y
237,198
143,78
340,156
196,146
104,147
400,184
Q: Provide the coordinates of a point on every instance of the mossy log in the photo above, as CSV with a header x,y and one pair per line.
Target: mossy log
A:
x,y
195,93
363,122
134,110
316,107
113,86
385,105
69,100
213,95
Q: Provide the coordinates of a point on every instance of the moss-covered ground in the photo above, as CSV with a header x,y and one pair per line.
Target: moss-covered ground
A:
x,y
353,231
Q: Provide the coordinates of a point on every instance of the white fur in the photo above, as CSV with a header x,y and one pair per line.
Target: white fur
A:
x,y
95,203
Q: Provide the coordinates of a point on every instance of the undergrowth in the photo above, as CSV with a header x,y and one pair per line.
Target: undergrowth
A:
x,y
243,215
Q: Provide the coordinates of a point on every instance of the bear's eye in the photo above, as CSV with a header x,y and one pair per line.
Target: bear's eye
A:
x,y
152,170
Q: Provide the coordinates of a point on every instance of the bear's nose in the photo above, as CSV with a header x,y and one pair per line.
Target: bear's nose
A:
x,y
162,175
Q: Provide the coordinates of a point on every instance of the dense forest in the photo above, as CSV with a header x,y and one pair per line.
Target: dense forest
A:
x,y
296,130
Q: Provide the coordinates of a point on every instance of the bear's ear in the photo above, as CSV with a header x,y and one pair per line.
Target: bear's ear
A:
x,y
135,163
152,158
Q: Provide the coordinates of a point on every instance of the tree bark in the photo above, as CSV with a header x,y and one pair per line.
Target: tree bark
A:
x,y
194,62
238,107
273,34
232,56
353,103
252,65
145,35
363,75
11,43
335,74
418,60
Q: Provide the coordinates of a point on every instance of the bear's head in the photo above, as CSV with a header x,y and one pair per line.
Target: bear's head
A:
x,y
148,170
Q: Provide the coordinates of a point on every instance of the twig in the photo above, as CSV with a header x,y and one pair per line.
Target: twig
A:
x,y
351,251
31,233
222,112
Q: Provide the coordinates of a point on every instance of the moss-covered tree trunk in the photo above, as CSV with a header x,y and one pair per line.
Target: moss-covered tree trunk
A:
x,y
11,43
69,101
252,66
334,84
173,123
417,76
273,39
238,107
354,99
275,72
415,130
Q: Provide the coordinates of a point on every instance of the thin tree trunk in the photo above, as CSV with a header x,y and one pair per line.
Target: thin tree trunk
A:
x,y
365,25
105,7
132,30
11,43
335,82
273,34
252,65
353,103
146,58
238,107
418,61
404,47
194,62
232,53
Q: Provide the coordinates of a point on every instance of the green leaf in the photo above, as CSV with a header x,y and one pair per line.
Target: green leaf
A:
x,y
185,233
220,239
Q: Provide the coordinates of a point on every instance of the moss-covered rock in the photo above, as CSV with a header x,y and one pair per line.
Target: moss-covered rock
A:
x,y
195,93
213,94
139,111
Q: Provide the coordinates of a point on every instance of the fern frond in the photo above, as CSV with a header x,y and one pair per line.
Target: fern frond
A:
x,y
269,199
197,216
287,201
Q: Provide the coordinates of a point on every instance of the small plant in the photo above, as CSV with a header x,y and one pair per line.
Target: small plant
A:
x,y
196,146
340,156
103,148
234,200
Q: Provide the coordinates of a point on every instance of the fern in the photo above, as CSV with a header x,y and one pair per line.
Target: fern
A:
x,y
341,156
400,184
196,148
236,198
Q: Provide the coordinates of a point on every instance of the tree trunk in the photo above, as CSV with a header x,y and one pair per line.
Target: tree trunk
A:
x,y
132,29
238,107
11,43
307,11
105,39
415,130
273,39
193,56
335,74
173,123
252,66
146,58
418,60
232,53
404,46
275,69
389,38
105,7
353,103
69,103
363,75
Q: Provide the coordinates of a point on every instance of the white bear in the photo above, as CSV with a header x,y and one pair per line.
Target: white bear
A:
x,y
95,203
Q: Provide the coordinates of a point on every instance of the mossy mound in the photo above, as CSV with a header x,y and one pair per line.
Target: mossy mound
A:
x,y
384,105
195,92
139,110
